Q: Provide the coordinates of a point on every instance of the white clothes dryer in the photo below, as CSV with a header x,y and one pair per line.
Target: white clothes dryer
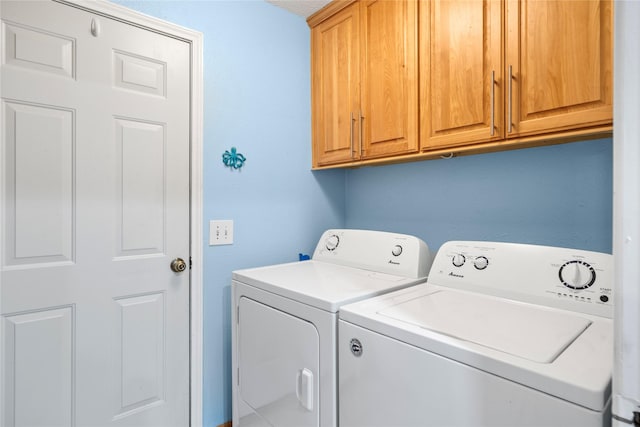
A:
x,y
284,323
500,335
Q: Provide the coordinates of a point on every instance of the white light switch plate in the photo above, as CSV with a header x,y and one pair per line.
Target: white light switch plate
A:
x,y
220,232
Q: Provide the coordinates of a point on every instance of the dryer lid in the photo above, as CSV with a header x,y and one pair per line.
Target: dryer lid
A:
x,y
536,334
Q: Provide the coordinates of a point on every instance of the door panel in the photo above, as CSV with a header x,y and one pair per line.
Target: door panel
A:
x,y
141,350
39,50
278,357
138,73
560,79
39,183
141,183
95,205
40,351
335,85
461,51
389,57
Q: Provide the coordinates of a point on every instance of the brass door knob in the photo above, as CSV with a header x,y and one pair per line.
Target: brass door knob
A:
x,y
178,265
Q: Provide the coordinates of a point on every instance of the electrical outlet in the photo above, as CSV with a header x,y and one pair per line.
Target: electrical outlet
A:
x,y
220,232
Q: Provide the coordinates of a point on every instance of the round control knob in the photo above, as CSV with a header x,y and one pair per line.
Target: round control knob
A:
x,y
332,242
397,250
481,262
458,260
577,274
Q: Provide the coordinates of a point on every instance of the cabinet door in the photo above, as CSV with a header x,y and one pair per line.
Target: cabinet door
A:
x,y
461,91
560,56
389,99
335,87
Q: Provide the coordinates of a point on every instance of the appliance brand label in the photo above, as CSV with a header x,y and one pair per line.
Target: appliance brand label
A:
x,y
393,262
452,274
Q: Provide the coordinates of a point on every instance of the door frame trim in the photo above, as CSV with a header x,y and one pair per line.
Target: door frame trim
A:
x,y
195,40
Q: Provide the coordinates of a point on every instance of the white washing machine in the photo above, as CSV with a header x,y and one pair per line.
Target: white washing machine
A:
x,y
500,335
285,323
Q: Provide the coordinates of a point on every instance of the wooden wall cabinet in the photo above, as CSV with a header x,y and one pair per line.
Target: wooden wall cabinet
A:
x,y
364,74
561,58
543,70
493,74
461,59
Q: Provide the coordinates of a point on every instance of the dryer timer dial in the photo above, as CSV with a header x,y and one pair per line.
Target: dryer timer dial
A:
x,y
332,242
577,275
481,262
458,260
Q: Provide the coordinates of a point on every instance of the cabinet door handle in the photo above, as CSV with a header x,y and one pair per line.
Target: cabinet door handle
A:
x,y
351,133
361,118
509,126
493,98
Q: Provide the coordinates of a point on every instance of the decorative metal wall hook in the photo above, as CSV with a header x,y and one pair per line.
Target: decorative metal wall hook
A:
x,y
233,159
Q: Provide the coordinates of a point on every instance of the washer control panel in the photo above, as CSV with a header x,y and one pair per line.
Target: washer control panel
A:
x,y
559,277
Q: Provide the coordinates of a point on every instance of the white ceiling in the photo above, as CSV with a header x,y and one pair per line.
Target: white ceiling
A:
x,y
304,8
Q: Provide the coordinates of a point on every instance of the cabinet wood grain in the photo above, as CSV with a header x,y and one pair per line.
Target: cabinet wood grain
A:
x,y
461,70
561,57
364,81
389,78
335,86
402,80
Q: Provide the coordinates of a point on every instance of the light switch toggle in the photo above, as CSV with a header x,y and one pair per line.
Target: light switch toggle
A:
x,y
220,232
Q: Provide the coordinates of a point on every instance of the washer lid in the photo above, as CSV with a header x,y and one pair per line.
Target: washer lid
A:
x,y
320,284
521,330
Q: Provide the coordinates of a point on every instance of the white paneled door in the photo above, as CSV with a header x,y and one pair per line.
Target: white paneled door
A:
x,y
94,177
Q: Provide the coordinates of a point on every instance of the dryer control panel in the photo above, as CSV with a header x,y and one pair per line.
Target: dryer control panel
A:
x,y
565,278
380,251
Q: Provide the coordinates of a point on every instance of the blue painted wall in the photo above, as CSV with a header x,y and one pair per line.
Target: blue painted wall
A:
x,y
557,195
257,98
